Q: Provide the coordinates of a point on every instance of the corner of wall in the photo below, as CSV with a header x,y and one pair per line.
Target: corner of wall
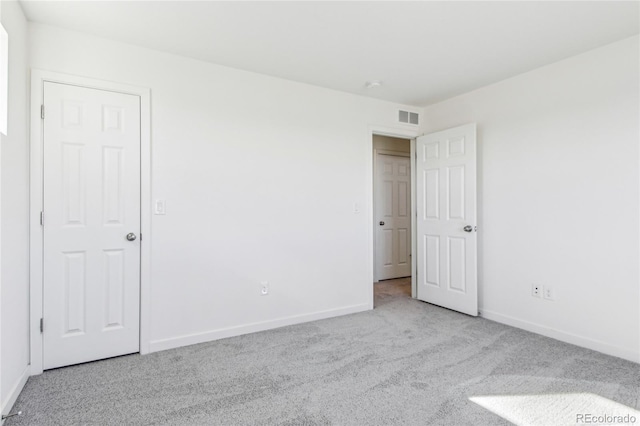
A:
x,y
14,193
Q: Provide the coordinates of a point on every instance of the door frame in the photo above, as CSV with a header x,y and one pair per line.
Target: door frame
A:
x,y
394,132
376,153
36,190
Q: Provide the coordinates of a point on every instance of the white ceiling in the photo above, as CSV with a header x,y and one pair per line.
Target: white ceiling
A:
x,y
421,51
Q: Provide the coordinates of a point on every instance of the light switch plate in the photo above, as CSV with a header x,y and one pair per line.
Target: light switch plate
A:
x,y
160,207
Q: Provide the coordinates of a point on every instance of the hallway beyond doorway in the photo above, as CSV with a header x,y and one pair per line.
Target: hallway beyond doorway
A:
x,y
387,290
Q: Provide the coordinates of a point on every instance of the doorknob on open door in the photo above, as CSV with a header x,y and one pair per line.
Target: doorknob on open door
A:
x,y
131,236
468,228
381,223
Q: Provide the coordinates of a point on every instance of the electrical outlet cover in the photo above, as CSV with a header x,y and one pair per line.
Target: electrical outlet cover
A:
x,y
536,290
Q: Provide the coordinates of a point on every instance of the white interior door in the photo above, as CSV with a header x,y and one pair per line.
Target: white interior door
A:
x,y
91,204
393,218
446,222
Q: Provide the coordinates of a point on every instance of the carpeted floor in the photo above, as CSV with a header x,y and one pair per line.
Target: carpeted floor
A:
x,y
406,362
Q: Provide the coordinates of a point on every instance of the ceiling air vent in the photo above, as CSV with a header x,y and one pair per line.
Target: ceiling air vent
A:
x,y
408,117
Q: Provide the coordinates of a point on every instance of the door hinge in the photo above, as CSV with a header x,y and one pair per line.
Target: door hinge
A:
x,y
41,325
41,218
141,236
42,112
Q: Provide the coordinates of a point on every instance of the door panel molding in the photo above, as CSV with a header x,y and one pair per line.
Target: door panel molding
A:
x,y
393,235
91,202
38,78
447,218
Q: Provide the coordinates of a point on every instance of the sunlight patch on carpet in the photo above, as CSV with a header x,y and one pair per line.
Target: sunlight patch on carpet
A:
x,y
559,409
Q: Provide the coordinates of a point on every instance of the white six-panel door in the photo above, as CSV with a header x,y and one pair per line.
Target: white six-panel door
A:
x,y
446,219
91,203
393,217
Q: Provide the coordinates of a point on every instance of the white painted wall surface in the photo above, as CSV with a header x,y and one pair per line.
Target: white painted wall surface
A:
x,y
559,196
260,176
15,214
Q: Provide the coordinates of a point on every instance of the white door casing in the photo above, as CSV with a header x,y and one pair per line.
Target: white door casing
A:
x,y
446,206
91,288
393,216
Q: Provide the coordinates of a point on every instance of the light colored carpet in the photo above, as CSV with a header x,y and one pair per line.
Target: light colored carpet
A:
x,y
406,362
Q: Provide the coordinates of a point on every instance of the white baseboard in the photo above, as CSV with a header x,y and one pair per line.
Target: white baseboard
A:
x,y
13,394
207,336
574,339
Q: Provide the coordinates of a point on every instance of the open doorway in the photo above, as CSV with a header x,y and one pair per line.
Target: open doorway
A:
x,y
392,208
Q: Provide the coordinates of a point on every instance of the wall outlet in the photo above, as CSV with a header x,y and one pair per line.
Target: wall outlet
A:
x,y
548,293
264,288
536,290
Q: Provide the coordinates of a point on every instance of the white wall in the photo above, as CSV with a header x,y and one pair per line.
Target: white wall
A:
x,y
260,177
559,189
14,215
261,174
